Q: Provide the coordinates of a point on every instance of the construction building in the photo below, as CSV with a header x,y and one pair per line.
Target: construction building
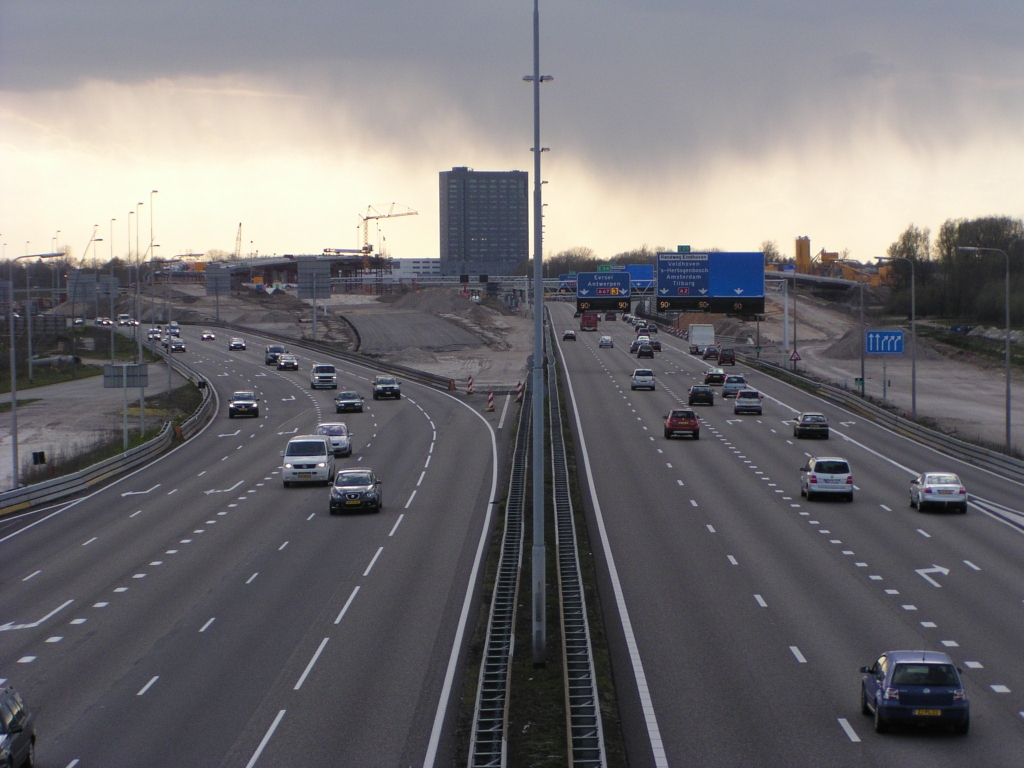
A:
x,y
485,227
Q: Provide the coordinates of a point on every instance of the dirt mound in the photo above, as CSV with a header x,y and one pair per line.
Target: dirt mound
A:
x,y
434,301
412,356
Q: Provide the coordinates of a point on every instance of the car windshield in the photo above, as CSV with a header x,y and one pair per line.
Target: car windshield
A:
x,y
832,467
813,418
275,349
334,430
243,396
306,448
942,479
385,380
348,396
924,674
353,478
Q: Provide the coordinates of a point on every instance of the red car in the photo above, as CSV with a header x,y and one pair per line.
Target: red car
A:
x,y
682,421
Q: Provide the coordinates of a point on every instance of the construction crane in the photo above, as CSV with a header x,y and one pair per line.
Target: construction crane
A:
x,y
238,242
372,214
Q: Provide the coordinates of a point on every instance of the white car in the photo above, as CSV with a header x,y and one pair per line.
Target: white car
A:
x,y
209,336
308,459
340,437
938,489
826,475
643,378
606,341
747,401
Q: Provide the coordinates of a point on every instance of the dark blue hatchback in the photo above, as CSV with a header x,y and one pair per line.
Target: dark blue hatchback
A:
x,y
914,687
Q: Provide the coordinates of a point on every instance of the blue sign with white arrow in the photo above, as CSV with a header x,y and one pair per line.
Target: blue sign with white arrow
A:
x,y
711,282
883,342
603,291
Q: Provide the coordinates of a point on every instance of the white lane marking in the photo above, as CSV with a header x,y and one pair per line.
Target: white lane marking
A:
x,y
711,528
693,502
923,573
422,475
90,541
201,473
347,604
26,659
32,625
733,560
760,601
171,493
668,465
54,639
974,665
427,462
207,625
397,523
78,621
924,533
370,566
148,685
799,656
139,493
679,482
971,565
73,763
875,578
413,496
504,410
282,546
885,507
929,625
119,590
133,514
139,576
909,607
251,578
309,666
951,643
999,688
31,575
311,516
266,740
850,733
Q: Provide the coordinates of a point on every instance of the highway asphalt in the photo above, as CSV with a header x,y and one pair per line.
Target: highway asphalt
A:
x,y
198,613
739,612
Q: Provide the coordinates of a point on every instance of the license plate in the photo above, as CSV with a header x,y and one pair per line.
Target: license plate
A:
x,y
831,481
928,713
305,475
352,503
945,491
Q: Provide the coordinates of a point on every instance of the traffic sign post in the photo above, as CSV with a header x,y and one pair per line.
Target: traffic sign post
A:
x,y
603,292
711,282
123,376
883,342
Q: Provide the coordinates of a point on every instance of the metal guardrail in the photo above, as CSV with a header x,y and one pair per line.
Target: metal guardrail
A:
x,y
70,485
488,745
993,461
583,711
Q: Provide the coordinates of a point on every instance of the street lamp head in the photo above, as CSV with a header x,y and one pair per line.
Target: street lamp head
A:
x,y
968,249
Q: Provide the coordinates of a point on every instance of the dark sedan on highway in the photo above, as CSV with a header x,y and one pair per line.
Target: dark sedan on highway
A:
x,y
348,401
810,425
356,489
701,393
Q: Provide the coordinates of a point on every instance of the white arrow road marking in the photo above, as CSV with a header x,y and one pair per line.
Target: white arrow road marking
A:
x,y
260,374
233,434
11,625
734,421
224,490
222,375
287,399
140,493
291,432
923,573
847,423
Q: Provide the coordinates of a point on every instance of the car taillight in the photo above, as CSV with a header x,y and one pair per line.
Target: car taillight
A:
x,y
892,693
963,491
812,478
849,480
929,489
959,695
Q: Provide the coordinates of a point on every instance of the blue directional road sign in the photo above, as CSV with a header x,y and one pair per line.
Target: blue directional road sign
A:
x,y
603,291
711,282
641,276
567,282
882,342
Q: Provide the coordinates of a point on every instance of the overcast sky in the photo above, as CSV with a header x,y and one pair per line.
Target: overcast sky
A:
x,y
712,124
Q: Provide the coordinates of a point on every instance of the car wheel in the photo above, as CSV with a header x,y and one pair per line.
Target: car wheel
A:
x,y
963,728
696,435
257,413
963,511
332,511
912,502
398,396
668,435
880,725
864,709
287,484
374,395
809,494
849,498
231,415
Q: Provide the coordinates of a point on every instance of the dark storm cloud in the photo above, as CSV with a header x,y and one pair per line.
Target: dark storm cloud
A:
x,y
635,82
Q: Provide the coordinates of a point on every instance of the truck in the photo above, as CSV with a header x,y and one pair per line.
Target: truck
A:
x,y
588,321
701,336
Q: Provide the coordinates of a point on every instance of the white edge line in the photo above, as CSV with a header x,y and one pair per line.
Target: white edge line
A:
x,y
347,604
309,667
504,410
460,631
266,739
640,677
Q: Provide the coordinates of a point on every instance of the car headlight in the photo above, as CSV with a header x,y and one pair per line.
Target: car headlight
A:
x,y
322,464
287,466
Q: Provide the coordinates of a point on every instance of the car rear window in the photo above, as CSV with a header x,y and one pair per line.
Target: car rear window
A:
x,y
735,380
306,448
747,394
943,479
643,372
814,418
334,430
699,388
924,674
832,467
682,415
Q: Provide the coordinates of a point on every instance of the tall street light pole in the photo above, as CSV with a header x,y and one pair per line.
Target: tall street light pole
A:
x,y
913,333
110,290
539,559
1006,301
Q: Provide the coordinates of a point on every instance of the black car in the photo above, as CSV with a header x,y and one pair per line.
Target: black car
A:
x,y
274,351
634,347
348,401
810,425
236,344
356,489
711,353
645,350
243,404
386,386
17,731
701,393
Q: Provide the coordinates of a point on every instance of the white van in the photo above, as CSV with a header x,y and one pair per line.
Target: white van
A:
x,y
308,459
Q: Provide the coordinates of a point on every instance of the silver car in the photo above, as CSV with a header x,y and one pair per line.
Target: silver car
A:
x,y
747,401
643,378
340,437
938,489
826,475
734,382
